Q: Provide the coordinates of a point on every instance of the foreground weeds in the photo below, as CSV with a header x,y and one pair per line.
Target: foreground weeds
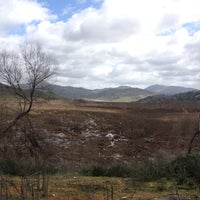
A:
x,y
106,188
65,187
148,179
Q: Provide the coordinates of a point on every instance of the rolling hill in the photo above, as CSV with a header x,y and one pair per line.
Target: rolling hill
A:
x,y
154,93
122,93
187,96
7,91
168,90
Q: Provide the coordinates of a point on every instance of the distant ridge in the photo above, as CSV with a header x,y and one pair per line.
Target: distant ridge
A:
x,y
168,90
154,93
7,91
118,94
69,92
188,96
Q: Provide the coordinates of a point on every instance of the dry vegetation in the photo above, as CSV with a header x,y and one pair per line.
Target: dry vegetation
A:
x,y
114,132
76,134
68,187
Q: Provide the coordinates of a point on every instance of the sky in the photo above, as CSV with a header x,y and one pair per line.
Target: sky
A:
x,y
110,43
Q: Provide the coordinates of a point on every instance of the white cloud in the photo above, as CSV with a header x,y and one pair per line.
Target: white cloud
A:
x,y
95,26
15,18
21,12
129,42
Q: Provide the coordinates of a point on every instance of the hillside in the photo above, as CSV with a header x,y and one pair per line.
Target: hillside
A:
x,y
119,94
68,91
168,90
5,90
123,93
188,96
45,93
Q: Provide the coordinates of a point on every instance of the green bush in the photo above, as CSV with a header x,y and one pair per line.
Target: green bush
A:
x,y
9,166
94,170
186,167
119,170
12,166
141,170
149,170
116,170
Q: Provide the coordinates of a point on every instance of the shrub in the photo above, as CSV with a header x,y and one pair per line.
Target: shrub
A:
x,y
185,167
94,170
9,166
141,170
162,185
12,166
116,170
119,170
149,170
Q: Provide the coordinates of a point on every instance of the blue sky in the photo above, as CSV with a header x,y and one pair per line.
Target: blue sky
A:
x,y
108,43
64,9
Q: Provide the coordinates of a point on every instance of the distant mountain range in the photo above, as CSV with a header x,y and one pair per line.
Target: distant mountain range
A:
x,y
122,93
118,94
152,93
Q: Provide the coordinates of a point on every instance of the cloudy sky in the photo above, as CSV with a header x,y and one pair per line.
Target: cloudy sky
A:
x,y
108,43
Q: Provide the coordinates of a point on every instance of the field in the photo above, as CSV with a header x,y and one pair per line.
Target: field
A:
x,y
68,187
75,135
100,188
114,132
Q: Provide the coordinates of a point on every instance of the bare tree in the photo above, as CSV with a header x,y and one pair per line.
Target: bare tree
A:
x,y
30,67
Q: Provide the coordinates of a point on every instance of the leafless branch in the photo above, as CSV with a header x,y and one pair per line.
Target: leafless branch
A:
x,y
31,67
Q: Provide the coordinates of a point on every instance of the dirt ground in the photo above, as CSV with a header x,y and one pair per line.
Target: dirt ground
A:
x,y
77,133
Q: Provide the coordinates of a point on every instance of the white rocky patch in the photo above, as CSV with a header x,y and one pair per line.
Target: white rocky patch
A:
x,y
89,133
110,136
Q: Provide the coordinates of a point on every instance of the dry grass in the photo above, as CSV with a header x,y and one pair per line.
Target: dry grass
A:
x,y
71,130
97,188
66,105
63,187
77,133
